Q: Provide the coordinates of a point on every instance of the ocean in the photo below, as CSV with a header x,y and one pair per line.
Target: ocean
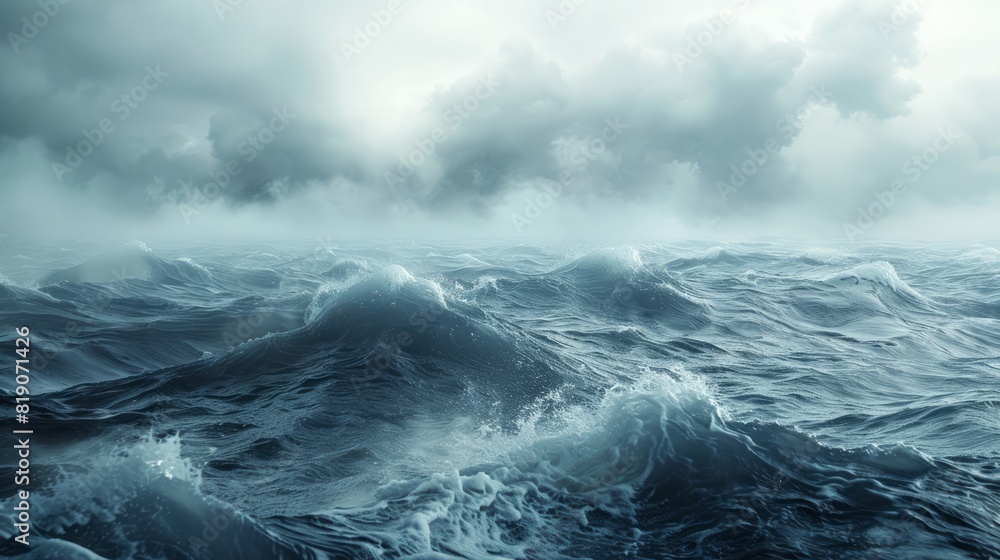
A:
x,y
483,401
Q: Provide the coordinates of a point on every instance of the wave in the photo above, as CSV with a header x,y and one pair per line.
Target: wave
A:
x,y
132,263
617,281
713,256
619,478
606,262
102,511
822,255
346,269
512,403
649,470
983,254
879,274
868,303
398,322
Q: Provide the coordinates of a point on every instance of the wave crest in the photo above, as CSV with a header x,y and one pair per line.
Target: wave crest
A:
x,y
879,273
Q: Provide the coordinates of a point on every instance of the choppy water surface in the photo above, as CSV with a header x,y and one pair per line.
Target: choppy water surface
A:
x,y
438,402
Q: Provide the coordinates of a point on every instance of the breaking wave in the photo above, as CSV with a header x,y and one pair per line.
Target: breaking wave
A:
x,y
512,403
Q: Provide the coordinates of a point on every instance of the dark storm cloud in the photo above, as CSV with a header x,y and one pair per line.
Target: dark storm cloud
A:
x,y
249,108
740,92
82,88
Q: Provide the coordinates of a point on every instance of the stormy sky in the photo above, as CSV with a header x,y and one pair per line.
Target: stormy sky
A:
x,y
840,119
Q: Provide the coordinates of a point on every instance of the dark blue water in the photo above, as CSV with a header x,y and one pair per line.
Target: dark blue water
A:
x,y
757,400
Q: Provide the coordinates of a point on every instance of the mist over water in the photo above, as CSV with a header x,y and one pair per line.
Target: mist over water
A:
x,y
460,400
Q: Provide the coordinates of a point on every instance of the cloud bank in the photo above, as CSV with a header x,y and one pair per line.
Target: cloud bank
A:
x,y
842,119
